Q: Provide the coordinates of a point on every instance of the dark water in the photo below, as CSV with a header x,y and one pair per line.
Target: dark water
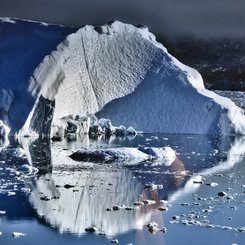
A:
x,y
40,206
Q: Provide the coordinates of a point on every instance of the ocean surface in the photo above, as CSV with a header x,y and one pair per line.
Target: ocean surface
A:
x,y
199,199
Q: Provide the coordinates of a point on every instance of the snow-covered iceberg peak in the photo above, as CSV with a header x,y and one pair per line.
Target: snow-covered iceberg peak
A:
x,y
122,73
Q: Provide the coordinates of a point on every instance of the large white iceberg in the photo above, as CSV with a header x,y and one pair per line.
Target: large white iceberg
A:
x,y
122,73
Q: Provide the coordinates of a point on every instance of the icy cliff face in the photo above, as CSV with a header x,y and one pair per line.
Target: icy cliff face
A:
x,y
120,72
4,130
23,45
6,100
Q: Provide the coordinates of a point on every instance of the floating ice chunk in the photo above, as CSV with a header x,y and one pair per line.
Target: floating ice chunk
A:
x,y
213,184
18,234
95,129
125,155
11,193
149,202
153,186
131,131
153,227
91,229
106,126
67,126
164,155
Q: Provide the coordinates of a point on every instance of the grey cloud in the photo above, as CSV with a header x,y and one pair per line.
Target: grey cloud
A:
x,y
171,18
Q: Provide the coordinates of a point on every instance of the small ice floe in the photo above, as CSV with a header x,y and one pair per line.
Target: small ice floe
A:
x,y
25,168
176,217
152,138
2,212
45,198
114,241
128,208
200,182
120,207
18,234
222,194
91,229
68,186
117,207
153,186
138,203
11,193
215,151
164,202
0,233
153,228
162,208
212,184
149,202
128,156
164,155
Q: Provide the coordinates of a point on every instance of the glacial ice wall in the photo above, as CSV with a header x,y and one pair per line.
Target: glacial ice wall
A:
x,y
121,72
23,45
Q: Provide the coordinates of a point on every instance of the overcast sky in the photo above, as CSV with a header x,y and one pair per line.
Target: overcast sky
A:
x,y
171,18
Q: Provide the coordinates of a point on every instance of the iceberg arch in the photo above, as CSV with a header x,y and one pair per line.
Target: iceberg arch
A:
x,y
121,72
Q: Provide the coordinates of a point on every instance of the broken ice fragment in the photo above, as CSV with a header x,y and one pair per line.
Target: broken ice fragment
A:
x,y
18,234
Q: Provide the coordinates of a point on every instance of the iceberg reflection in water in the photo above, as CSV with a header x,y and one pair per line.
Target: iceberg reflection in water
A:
x,y
71,196
75,196
85,204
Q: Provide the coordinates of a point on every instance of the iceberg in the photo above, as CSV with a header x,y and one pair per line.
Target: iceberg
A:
x,y
120,72
127,155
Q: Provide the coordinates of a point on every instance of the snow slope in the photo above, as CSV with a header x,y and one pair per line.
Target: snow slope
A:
x,y
120,72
